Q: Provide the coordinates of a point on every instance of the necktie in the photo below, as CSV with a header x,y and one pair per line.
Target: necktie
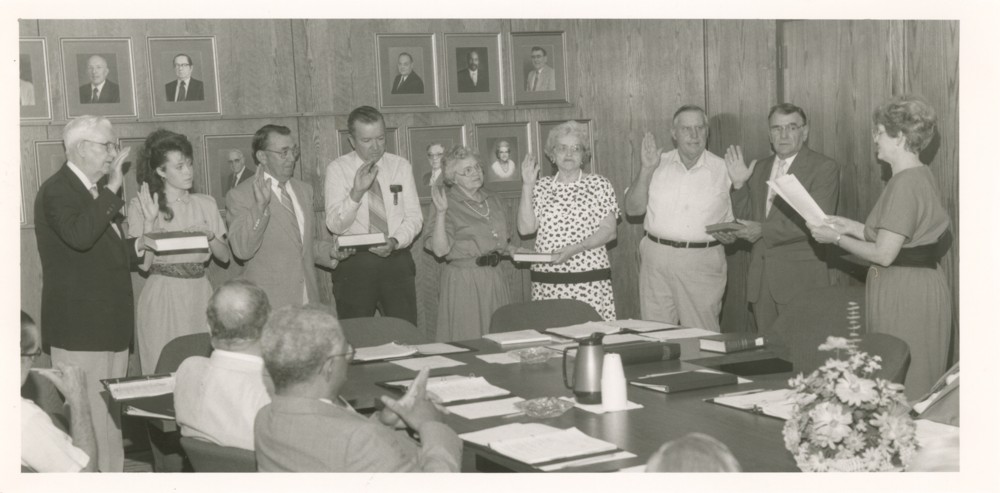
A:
x,y
94,96
534,83
93,192
236,179
286,201
401,81
778,173
376,210
182,93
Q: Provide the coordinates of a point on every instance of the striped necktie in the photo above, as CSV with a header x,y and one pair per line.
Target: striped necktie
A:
x,y
376,210
286,202
778,173
182,93
94,96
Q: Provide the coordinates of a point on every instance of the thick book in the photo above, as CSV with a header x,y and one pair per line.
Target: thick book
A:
x,y
534,257
731,342
684,380
727,227
518,337
176,242
362,240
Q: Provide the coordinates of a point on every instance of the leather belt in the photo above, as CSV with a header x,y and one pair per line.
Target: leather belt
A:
x,y
683,244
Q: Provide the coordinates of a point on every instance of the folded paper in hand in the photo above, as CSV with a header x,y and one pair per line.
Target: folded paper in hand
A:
x,y
790,189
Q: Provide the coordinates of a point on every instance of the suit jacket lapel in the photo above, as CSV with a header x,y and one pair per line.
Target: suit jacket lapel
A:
x,y
764,168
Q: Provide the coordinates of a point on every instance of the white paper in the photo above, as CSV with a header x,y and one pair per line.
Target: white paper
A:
x,y
477,410
599,408
608,339
512,430
641,325
385,351
929,431
777,403
498,358
518,337
790,189
134,411
142,388
591,460
667,335
432,362
580,331
551,446
439,348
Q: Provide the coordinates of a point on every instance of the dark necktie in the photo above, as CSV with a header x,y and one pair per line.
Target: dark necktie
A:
x,y
93,96
182,93
376,210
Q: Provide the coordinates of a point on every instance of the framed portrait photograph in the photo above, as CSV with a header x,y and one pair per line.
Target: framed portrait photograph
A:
x,y
538,65
228,162
407,70
427,146
473,67
501,148
184,75
98,77
547,167
391,142
33,77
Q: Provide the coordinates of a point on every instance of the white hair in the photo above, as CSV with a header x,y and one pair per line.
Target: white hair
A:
x,y
80,128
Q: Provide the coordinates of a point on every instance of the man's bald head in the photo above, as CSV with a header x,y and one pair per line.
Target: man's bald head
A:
x,y
236,313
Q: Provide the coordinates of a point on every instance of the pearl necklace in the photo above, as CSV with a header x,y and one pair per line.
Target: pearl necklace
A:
x,y
486,203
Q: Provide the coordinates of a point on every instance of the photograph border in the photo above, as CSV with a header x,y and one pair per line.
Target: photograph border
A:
x,y
384,100
418,170
153,83
68,94
45,80
521,96
496,67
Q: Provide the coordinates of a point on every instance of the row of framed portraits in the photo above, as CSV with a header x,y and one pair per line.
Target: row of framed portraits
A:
x,y
475,73
501,146
99,77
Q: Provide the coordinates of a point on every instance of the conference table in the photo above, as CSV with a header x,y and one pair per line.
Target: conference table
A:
x,y
755,440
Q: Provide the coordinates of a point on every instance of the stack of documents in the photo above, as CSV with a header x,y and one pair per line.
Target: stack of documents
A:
x,y
385,351
632,325
666,335
518,337
584,330
455,388
535,443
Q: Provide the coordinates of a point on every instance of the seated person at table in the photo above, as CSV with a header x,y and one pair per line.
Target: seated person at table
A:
x,y
308,427
694,452
218,397
45,448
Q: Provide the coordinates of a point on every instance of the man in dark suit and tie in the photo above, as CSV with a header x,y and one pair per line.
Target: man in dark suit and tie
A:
x,y
185,88
100,89
472,78
407,81
784,260
87,305
240,172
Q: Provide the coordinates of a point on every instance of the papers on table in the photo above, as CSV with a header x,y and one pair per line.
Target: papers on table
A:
x,y
518,337
584,330
608,341
142,386
432,362
641,325
440,348
775,403
590,460
599,408
534,443
667,335
790,189
454,388
385,351
928,432
498,358
486,409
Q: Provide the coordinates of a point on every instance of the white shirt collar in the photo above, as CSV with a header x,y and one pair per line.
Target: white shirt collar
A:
x,y
79,174
187,81
788,160
241,356
100,87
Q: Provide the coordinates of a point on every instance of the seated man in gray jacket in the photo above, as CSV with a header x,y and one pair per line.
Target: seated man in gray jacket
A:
x,y
307,427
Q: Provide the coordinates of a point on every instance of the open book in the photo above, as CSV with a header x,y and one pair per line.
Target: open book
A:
x,y
535,443
386,351
455,388
774,403
790,189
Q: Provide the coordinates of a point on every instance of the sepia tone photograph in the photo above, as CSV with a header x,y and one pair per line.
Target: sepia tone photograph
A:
x,y
422,143
183,76
33,79
407,70
538,62
474,69
99,77
502,148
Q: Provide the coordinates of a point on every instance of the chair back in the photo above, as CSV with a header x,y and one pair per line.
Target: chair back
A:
x,y
181,348
808,319
542,314
206,456
375,331
895,355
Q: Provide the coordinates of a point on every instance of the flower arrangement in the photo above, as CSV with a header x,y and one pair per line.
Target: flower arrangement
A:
x,y
845,420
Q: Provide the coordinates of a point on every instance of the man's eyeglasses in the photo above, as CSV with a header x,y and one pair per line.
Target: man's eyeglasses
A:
x,y
34,354
473,171
111,147
286,152
563,148
182,65
692,131
349,355
780,129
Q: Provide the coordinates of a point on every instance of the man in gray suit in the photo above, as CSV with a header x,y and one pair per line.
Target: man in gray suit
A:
x,y
542,77
308,427
271,223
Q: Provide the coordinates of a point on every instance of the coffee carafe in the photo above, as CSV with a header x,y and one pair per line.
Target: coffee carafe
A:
x,y
586,384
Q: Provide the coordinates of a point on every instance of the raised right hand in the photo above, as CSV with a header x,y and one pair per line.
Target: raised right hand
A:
x,y
440,197
363,179
117,176
650,153
148,204
529,169
739,172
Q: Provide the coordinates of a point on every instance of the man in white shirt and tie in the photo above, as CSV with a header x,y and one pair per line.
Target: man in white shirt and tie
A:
x,y
474,77
784,260
367,191
100,89
543,77
185,87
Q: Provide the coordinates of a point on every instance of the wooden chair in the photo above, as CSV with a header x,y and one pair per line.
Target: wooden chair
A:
x,y
206,456
542,314
374,331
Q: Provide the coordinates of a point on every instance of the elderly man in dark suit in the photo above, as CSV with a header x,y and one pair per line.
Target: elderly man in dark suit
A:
x,y
185,87
407,81
474,77
87,307
785,260
240,173
100,89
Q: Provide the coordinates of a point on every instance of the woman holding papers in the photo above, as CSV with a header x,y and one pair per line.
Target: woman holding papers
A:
x,y
575,214
176,293
904,237
470,233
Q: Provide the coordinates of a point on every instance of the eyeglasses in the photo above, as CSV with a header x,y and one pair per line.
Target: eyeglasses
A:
x,y
472,171
563,148
182,65
286,152
781,129
692,131
111,147
349,355
34,354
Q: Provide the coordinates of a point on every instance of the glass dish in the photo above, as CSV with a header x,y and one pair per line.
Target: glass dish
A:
x,y
533,355
544,407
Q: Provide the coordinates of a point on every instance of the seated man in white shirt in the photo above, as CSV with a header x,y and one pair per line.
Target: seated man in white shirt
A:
x,y
218,397
45,448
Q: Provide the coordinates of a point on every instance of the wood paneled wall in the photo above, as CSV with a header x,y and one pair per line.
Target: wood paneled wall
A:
x,y
627,76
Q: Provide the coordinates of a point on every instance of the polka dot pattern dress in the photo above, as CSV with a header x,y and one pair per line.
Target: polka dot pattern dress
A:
x,y
569,213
